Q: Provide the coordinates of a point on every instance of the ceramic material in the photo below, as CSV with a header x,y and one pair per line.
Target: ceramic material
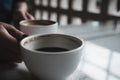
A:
x,y
32,27
51,65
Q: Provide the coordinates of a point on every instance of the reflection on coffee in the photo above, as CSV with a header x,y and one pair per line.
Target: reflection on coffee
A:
x,y
39,22
52,49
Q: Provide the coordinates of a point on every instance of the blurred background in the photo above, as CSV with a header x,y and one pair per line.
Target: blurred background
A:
x,y
76,11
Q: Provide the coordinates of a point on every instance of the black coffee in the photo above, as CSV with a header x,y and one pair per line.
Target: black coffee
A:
x,y
39,22
52,49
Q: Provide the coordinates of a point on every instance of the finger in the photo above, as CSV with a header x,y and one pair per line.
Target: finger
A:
x,y
23,16
6,37
14,32
29,16
19,15
8,41
9,49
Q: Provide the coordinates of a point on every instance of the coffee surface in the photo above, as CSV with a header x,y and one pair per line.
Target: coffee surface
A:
x,y
40,22
52,49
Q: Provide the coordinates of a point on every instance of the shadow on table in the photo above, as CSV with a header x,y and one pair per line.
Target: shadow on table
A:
x,y
10,71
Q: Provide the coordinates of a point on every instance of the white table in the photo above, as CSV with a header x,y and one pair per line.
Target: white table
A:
x,y
89,31
101,55
102,51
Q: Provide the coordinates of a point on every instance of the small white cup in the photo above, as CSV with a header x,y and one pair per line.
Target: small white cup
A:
x,y
53,65
32,27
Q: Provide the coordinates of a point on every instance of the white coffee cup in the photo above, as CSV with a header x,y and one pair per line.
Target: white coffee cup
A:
x,y
53,64
32,27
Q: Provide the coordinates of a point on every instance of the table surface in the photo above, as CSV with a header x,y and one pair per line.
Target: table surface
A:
x,y
101,59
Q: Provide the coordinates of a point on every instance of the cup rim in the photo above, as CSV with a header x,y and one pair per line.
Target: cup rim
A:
x,y
42,52
23,21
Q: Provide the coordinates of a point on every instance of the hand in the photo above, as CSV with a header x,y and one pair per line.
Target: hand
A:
x,y
9,43
21,15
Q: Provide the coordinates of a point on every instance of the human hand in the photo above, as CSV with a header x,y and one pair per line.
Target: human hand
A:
x,y
21,15
9,43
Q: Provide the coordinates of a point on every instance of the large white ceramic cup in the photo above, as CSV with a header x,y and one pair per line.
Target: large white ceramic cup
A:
x,y
55,64
32,27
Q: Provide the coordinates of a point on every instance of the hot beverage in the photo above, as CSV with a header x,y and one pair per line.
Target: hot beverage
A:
x,y
51,56
52,49
39,22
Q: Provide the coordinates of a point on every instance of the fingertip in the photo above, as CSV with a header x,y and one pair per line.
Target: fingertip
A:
x,y
30,16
